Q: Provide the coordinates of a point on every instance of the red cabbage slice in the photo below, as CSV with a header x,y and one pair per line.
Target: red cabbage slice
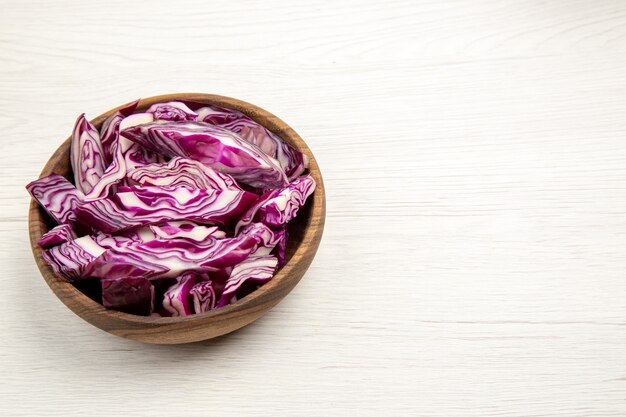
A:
x,y
178,299
292,161
170,258
285,205
270,241
213,146
204,297
126,156
130,295
75,258
70,260
57,196
110,130
182,171
173,111
163,231
136,206
187,230
280,251
86,155
219,278
57,235
128,237
265,237
277,207
258,268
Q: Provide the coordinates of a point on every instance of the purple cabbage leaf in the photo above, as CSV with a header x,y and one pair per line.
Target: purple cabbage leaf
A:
x,y
169,258
172,111
70,260
183,229
126,156
125,238
130,295
136,206
270,241
178,229
258,268
57,196
86,155
280,251
266,238
204,297
110,130
178,300
292,161
213,146
57,235
182,171
277,207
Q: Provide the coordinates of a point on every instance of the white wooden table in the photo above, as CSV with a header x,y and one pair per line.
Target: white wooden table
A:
x,y
474,152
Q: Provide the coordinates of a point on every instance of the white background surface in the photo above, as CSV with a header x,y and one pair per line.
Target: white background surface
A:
x,y
474,154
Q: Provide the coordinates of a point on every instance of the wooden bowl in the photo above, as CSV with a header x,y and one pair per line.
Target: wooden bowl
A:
x,y
305,234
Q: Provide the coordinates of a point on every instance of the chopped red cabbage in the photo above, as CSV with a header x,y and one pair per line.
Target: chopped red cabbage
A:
x,y
213,146
57,196
86,155
292,161
110,130
203,295
265,237
277,207
130,295
169,258
280,251
178,299
259,268
186,229
126,156
174,111
187,204
69,260
57,235
135,206
164,231
181,171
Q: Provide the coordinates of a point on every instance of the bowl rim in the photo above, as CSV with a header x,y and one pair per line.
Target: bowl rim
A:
x,y
262,116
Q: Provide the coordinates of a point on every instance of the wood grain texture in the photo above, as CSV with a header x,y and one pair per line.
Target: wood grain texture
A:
x,y
305,234
474,250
